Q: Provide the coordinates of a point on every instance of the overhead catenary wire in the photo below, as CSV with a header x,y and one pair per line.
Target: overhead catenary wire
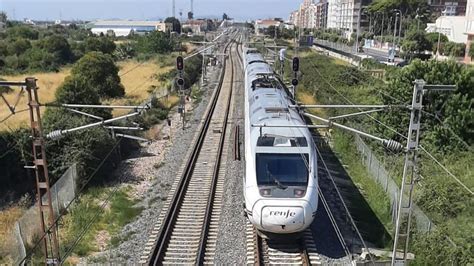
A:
x,y
447,171
398,100
336,227
395,131
79,191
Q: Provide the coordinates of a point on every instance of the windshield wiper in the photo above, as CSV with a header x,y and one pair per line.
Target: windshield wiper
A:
x,y
276,181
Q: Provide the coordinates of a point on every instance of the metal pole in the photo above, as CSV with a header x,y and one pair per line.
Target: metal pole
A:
x,y
410,174
394,32
358,30
400,28
439,36
381,33
40,165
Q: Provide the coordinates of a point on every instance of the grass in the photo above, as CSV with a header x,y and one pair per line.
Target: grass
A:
x,y
139,79
372,192
119,211
47,83
8,217
436,194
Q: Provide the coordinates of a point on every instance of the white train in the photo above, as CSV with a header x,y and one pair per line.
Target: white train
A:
x,y
281,182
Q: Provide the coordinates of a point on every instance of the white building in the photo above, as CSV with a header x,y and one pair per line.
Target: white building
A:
x,y
125,27
469,29
343,14
310,15
263,24
454,27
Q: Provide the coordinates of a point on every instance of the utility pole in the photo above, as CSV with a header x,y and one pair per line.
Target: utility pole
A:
x,y
358,30
40,166
381,31
410,170
174,8
395,31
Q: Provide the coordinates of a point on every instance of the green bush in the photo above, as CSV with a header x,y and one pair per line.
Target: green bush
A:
x,y
155,42
471,50
100,44
99,71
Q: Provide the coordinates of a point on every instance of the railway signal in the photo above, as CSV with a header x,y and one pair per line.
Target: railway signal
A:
x,y
296,68
180,82
296,64
180,63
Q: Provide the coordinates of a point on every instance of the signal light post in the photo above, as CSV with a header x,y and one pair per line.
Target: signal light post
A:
x,y
180,83
296,68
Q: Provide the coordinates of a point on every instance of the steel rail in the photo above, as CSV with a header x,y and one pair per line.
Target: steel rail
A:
x,y
171,216
210,202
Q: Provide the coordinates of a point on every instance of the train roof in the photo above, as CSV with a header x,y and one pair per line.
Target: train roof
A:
x,y
269,102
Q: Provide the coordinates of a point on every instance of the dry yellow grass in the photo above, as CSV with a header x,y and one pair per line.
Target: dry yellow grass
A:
x,y
137,78
8,217
308,98
47,83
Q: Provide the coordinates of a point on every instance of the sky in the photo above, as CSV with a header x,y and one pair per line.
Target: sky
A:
x,y
144,9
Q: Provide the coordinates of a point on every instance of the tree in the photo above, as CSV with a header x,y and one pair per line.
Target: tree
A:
x,y
415,42
5,89
76,90
3,17
59,47
471,50
175,24
453,109
40,60
18,47
22,31
432,37
155,42
99,71
3,49
100,44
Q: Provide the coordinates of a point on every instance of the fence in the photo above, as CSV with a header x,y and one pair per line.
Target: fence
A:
x,y
382,176
340,51
27,227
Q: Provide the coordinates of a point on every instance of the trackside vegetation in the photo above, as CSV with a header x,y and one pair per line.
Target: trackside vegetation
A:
x,y
94,79
447,134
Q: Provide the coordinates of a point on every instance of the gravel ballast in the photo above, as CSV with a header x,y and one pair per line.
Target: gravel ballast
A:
x,y
152,172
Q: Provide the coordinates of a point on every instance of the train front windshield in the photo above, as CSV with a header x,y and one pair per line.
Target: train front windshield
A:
x,y
282,170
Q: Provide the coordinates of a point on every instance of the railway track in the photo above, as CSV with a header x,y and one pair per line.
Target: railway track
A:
x,y
187,227
274,252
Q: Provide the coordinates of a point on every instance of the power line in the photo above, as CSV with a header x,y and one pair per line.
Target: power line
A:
x,y
393,130
74,199
446,170
349,101
467,146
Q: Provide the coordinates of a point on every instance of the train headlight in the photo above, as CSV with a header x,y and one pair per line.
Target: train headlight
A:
x,y
299,193
265,192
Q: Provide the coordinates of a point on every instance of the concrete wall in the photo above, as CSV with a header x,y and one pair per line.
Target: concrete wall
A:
x,y
27,228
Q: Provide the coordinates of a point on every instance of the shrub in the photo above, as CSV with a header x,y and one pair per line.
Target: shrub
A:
x,y
101,73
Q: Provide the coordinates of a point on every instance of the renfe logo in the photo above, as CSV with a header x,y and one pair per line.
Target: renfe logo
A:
x,y
285,214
